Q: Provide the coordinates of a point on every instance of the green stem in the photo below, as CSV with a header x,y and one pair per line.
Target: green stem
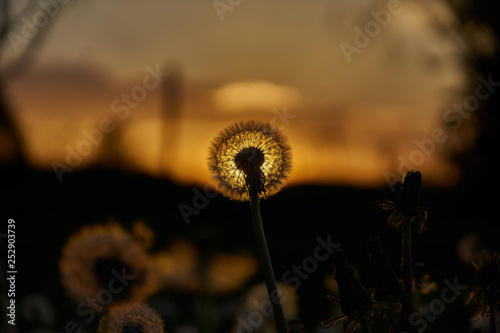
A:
x,y
406,267
267,267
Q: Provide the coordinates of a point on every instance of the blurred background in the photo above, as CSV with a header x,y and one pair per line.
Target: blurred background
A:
x,y
107,110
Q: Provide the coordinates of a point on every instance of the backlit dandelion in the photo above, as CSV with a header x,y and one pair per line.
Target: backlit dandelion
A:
x,y
251,160
250,156
106,257
131,318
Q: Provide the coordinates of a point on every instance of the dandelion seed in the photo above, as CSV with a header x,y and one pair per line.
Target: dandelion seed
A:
x,y
250,157
131,318
94,256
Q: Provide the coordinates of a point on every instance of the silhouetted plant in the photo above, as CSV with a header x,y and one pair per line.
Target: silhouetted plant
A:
x,y
407,210
251,160
356,303
388,286
486,294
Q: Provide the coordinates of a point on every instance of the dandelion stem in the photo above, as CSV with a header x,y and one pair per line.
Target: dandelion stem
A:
x,y
267,267
406,267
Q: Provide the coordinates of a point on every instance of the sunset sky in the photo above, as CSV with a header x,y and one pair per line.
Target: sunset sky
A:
x,y
350,119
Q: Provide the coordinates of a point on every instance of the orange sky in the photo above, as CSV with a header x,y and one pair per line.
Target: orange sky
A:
x,y
348,122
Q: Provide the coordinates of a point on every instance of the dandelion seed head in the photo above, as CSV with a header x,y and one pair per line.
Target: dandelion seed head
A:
x,y
250,156
131,318
92,257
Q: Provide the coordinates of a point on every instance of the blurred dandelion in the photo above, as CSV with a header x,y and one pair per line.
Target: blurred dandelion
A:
x,y
178,268
470,248
422,282
425,285
143,234
251,160
250,156
37,309
229,272
258,295
256,309
96,255
486,294
131,318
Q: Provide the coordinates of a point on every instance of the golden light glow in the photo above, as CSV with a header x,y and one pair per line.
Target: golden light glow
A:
x,y
254,96
177,267
180,268
350,124
228,272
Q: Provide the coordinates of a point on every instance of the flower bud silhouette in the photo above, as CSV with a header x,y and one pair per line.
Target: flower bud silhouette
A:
x,y
409,204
